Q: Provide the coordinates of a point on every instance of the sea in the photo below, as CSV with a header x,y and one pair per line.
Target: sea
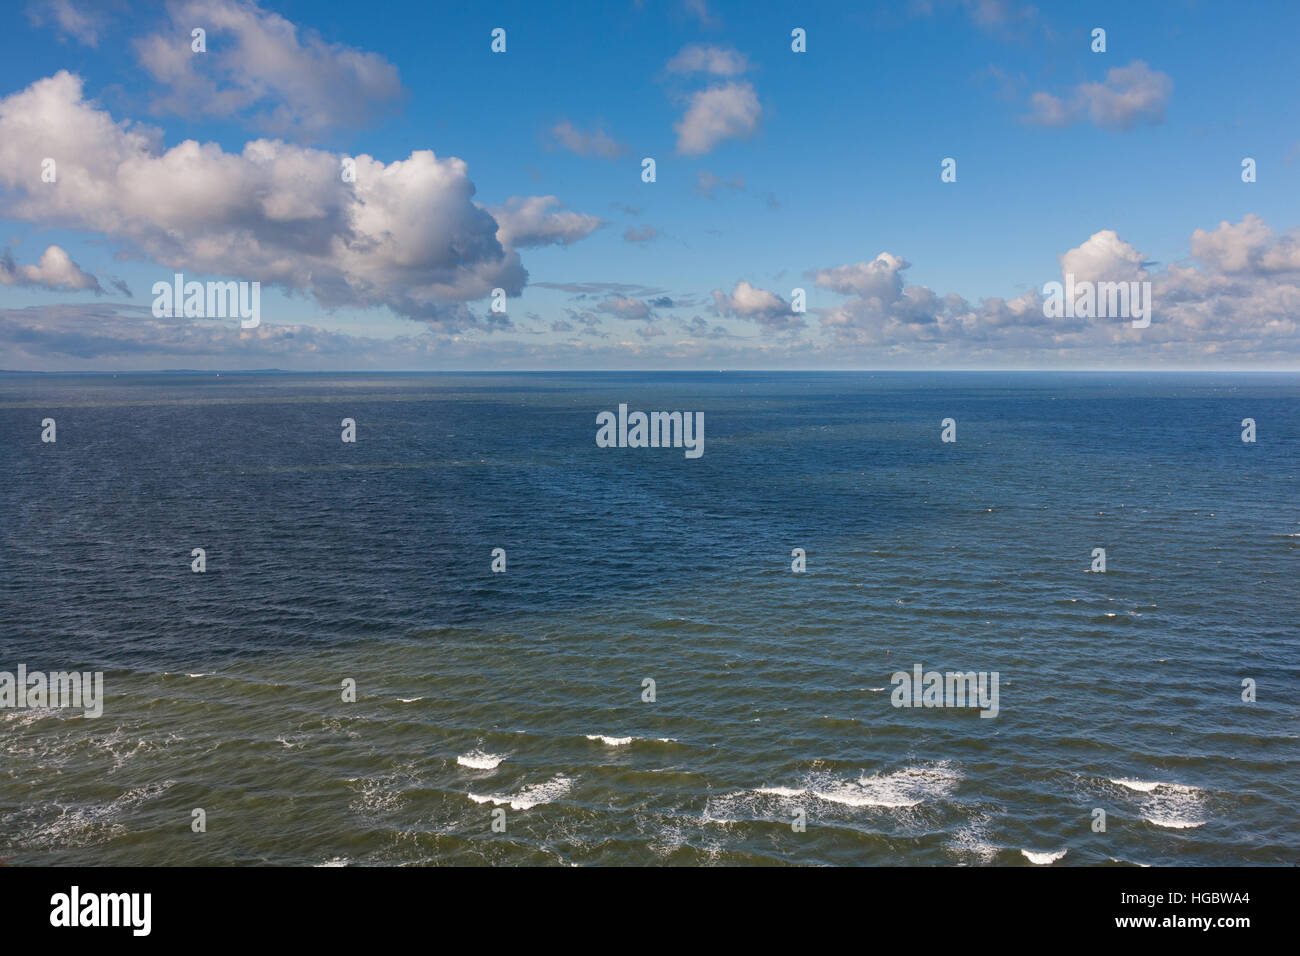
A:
x,y
639,676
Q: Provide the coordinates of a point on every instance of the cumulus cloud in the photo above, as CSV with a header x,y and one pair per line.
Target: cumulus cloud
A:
x,y
1104,257
287,82
881,278
1249,246
596,143
1130,95
729,111
765,308
702,58
1239,298
1233,303
526,221
406,234
644,234
55,271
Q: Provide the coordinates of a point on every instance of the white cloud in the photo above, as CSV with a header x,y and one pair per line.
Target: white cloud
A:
x,y
406,235
596,143
719,113
70,18
526,221
767,309
644,234
703,58
881,278
626,308
1250,246
1240,303
56,271
1104,257
1130,95
293,83
700,10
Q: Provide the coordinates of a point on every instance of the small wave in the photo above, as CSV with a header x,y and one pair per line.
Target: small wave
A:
x,y
535,794
478,760
1145,786
1174,806
624,741
1175,824
409,700
611,741
894,790
1043,859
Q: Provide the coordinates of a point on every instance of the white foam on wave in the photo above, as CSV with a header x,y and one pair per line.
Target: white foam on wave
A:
x,y
1043,859
22,716
90,825
1175,824
972,842
478,760
532,795
1174,806
899,789
624,741
1148,786
409,700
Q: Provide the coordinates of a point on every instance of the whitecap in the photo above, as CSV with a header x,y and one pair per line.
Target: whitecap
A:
x,y
478,760
532,795
1175,824
1043,859
894,790
611,741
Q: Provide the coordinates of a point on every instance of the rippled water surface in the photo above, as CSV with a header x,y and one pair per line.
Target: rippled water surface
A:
x,y
523,690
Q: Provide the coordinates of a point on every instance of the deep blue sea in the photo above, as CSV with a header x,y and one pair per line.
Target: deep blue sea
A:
x,y
517,698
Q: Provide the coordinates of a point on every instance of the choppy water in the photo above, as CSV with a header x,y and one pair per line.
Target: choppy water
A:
x,y
522,690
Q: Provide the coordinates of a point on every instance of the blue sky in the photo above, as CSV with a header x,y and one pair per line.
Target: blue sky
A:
x,y
812,162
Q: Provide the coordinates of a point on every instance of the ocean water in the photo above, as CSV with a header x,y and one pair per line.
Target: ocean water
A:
x,y
522,690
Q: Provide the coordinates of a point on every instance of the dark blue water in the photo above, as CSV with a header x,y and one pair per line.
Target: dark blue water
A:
x,y
522,691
